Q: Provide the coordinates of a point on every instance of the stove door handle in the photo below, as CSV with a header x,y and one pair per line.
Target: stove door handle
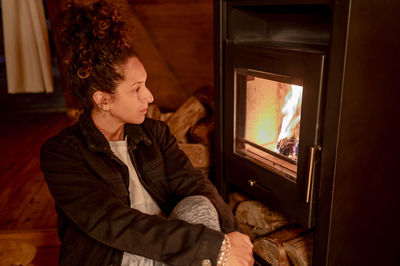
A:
x,y
252,183
311,166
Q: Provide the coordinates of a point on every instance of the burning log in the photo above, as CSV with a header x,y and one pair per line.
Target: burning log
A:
x,y
288,148
300,250
256,214
271,247
186,117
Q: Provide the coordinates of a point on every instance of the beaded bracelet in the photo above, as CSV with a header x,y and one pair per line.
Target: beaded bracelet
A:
x,y
224,252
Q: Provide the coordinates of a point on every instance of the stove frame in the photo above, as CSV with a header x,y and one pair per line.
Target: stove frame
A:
x,y
283,41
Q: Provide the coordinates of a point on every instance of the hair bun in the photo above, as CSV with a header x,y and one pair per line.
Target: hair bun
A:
x,y
93,42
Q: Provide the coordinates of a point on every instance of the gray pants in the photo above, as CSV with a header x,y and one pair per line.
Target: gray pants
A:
x,y
196,210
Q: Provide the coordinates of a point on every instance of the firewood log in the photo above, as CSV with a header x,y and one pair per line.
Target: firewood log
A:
x,y
257,214
271,247
205,95
165,116
248,230
199,154
235,199
273,253
300,250
202,132
186,117
153,111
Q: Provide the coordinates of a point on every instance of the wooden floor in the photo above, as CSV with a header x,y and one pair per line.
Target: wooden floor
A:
x,y
26,207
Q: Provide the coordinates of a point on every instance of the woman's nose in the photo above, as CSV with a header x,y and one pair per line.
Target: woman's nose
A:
x,y
147,96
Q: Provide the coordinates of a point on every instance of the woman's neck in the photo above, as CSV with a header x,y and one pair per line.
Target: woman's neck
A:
x,y
113,130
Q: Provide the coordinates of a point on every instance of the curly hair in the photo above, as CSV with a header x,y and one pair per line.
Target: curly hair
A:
x,y
94,46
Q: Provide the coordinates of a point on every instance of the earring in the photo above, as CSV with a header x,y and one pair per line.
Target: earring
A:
x,y
101,107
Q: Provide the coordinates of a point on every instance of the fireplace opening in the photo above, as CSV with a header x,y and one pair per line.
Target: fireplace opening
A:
x,y
268,114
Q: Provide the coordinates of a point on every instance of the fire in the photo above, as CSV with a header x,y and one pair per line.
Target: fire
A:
x,y
288,139
273,115
272,123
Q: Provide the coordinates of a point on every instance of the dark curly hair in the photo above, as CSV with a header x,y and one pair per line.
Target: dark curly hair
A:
x,y
94,46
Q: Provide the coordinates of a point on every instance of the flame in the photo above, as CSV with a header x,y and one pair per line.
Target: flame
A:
x,y
291,112
273,112
263,112
272,121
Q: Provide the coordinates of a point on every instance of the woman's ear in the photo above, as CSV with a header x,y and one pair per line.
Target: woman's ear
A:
x,y
101,99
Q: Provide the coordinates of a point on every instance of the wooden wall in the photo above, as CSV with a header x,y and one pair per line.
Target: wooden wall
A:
x,y
181,60
174,40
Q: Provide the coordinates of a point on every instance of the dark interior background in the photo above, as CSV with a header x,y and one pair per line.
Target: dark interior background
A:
x,y
174,40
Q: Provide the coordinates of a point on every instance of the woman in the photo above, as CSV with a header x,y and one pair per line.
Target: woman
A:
x,y
115,175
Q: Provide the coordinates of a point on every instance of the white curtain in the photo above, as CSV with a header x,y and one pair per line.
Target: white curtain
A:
x,y
26,45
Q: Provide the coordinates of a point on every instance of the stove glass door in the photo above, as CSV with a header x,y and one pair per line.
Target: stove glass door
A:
x,y
268,117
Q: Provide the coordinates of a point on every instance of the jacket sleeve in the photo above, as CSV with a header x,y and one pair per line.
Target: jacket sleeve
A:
x,y
185,181
92,206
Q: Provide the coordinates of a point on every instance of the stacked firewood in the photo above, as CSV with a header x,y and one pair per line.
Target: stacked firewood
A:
x,y
276,239
192,125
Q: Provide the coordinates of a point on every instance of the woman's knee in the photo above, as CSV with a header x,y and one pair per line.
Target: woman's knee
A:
x,y
197,209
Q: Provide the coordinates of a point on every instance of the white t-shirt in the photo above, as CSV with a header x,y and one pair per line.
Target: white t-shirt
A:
x,y
140,199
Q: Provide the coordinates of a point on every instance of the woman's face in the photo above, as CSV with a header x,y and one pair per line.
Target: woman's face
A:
x,y
132,97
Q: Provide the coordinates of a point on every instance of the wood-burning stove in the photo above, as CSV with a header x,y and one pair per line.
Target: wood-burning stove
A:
x,y
358,182
270,100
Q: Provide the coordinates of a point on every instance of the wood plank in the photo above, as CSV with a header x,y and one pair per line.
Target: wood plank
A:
x,y
39,211
183,33
46,256
163,82
46,237
27,210
25,202
42,212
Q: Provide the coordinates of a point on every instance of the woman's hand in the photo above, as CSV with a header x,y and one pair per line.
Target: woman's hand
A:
x,y
241,253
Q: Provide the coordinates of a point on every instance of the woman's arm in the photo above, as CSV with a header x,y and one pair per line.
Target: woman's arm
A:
x,y
92,205
185,181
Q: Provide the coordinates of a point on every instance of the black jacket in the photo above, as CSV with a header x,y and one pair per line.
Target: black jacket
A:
x,y
90,187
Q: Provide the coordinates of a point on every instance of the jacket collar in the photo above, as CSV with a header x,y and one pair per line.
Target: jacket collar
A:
x,y
98,143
